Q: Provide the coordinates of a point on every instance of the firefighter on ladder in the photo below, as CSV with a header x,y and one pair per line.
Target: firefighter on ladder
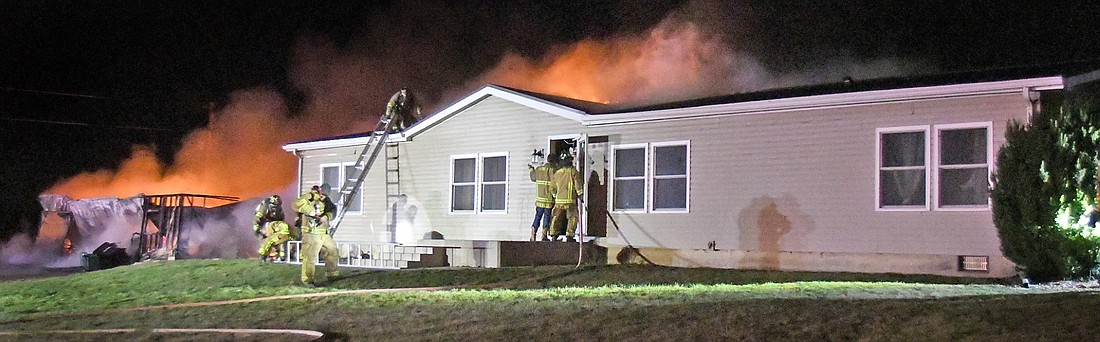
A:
x,y
270,217
316,241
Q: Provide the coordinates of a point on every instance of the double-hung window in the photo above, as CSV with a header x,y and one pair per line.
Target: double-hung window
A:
x,y
945,167
335,176
479,183
650,177
903,168
962,166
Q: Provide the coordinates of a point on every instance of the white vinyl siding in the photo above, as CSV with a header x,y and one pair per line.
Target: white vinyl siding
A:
x,y
642,186
335,175
952,169
481,179
963,159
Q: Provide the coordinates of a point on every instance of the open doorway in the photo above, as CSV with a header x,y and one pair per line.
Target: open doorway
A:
x,y
589,157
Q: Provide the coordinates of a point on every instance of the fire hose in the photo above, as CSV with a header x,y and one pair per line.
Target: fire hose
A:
x,y
580,242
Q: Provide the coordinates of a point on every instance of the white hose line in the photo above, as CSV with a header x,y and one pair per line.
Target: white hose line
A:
x,y
306,333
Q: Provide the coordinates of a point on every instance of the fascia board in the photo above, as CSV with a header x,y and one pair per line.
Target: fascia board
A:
x,y
346,142
831,100
491,90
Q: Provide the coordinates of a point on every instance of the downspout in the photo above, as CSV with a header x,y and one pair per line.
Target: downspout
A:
x,y
1032,97
298,186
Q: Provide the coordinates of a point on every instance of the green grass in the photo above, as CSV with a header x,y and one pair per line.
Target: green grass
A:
x,y
547,303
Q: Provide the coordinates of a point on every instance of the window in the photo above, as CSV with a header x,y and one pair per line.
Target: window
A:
x,y
670,177
463,183
479,181
639,185
903,168
955,177
494,182
963,166
629,164
335,175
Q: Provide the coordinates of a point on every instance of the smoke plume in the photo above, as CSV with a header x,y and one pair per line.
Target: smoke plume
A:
x,y
691,53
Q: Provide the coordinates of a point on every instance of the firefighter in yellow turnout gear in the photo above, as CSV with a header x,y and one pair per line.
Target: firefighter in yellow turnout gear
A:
x,y
544,202
315,238
269,216
566,186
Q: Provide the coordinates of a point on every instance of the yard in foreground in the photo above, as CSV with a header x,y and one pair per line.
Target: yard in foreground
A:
x,y
624,302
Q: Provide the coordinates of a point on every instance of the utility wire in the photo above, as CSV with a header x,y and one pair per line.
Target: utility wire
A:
x,y
84,124
53,93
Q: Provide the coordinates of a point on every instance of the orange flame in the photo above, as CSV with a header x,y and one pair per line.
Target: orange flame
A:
x,y
237,154
674,60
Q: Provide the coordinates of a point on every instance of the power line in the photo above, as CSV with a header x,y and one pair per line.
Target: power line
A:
x,y
84,124
53,93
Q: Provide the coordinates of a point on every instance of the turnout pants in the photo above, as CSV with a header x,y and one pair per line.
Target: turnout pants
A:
x,y
314,245
571,213
274,241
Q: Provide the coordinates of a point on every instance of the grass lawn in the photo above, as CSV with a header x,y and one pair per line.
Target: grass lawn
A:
x,y
622,302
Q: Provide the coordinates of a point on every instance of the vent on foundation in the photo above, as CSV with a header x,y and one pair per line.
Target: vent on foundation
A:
x,y
978,263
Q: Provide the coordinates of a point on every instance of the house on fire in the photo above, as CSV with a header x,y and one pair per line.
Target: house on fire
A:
x,y
887,175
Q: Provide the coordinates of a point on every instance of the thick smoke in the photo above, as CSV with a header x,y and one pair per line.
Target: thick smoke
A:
x,y
690,54
693,52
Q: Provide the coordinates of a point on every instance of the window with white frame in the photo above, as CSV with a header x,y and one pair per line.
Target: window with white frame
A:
x,y
494,182
903,168
335,175
629,177
954,167
463,183
479,182
650,177
962,170
670,166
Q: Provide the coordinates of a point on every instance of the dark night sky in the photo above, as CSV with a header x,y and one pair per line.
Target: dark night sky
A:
x,y
83,81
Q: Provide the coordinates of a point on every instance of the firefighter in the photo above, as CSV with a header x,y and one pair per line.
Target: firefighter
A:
x,y
544,203
566,187
269,216
315,238
405,110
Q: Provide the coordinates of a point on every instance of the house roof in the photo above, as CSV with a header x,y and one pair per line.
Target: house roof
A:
x,y
1069,70
843,93
546,103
